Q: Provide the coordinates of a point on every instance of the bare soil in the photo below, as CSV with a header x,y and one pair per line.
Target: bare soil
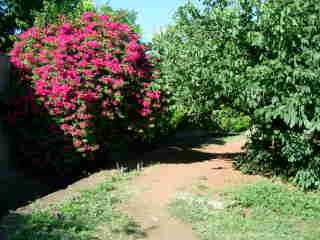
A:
x,y
175,168
158,184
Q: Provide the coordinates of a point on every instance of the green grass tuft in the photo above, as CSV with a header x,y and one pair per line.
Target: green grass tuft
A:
x,y
92,215
259,211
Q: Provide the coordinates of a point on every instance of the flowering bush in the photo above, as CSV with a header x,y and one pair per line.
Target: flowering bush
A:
x,y
38,140
93,77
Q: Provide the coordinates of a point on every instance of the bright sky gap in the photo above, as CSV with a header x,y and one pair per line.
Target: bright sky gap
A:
x,y
152,15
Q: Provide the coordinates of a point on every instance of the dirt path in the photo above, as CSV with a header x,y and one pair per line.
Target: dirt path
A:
x,y
182,168
176,169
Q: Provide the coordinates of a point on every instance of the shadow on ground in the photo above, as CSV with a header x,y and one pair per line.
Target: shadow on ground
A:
x,y
18,189
38,225
17,186
177,149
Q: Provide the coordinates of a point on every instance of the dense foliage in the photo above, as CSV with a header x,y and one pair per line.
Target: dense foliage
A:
x,y
52,11
18,15
256,57
93,77
199,56
226,64
121,15
283,88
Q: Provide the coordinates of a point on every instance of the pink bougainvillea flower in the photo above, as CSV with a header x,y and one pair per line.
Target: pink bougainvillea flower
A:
x,y
146,104
87,16
89,75
93,44
145,112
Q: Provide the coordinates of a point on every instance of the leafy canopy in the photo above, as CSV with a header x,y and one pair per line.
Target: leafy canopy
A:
x,y
19,15
258,57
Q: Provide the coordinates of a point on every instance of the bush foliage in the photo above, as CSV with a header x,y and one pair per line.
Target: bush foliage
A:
x,y
93,77
199,56
282,88
257,57
19,15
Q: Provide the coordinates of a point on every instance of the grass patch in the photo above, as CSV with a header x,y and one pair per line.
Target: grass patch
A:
x,y
238,137
264,210
91,215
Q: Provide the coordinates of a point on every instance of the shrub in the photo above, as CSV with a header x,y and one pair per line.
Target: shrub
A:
x,y
282,88
93,77
39,145
229,120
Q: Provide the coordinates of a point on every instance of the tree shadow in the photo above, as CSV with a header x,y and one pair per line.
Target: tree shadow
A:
x,y
42,226
19,185
18,190
181,148
22,187
192,139
54,226
174,155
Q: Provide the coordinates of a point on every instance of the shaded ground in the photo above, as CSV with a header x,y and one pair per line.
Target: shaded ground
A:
x,y
175,164
180,168
17,188
87,210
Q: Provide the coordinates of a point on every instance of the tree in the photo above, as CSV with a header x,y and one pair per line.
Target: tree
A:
x,y
52,11
19,15
281,88
199,57
121,15
260,57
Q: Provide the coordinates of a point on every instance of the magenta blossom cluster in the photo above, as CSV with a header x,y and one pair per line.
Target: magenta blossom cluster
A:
x,y
92,75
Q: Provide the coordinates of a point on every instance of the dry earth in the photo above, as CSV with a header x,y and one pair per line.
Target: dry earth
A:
x,y
178,167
